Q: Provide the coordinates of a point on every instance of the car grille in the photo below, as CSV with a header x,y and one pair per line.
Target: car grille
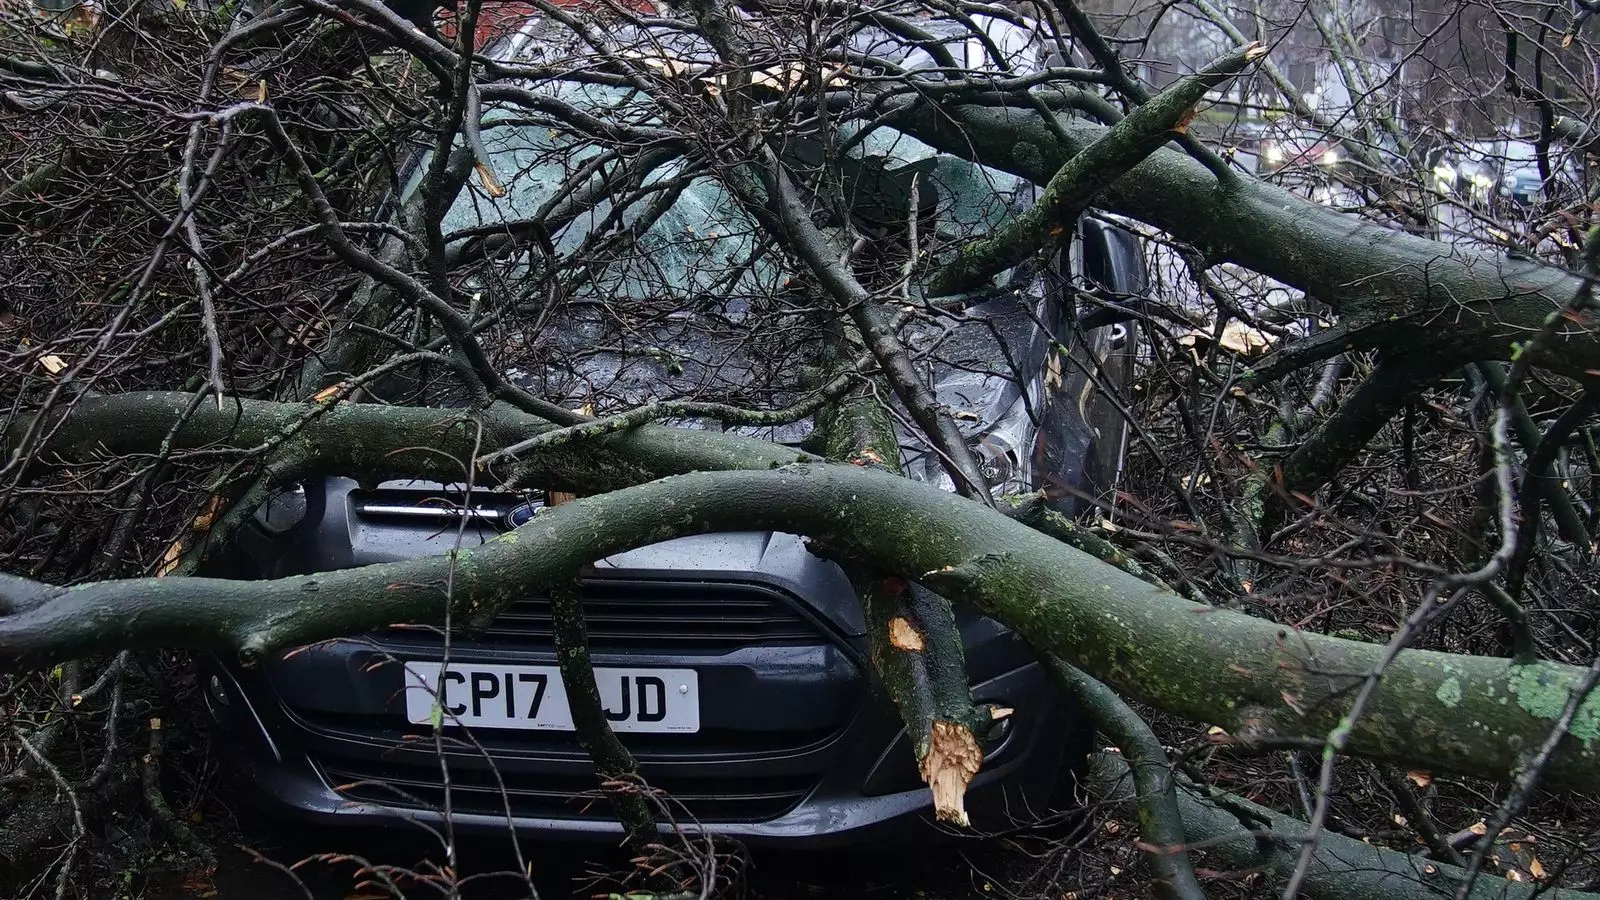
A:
x,y
725,774
477,791
665,616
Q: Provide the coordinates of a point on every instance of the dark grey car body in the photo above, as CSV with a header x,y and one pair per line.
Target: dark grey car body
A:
x,y
798,742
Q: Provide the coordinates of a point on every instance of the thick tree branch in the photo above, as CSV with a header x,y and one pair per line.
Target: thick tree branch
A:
x,y
1160,823
916,650
1464,302
1245,836
375,441
612,762
1084,174
916,647
1261,680
1395,382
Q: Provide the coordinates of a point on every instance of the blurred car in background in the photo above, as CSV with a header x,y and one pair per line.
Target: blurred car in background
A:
x,y
1500,175
1299,150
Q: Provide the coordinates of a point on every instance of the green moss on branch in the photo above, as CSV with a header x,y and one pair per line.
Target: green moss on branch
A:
x,y
1084,174
1241,835
375,441
1259,679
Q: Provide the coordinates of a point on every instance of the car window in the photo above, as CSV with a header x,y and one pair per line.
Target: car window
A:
x,y
704,234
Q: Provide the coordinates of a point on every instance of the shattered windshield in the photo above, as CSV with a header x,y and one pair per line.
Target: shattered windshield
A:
x,y
670,291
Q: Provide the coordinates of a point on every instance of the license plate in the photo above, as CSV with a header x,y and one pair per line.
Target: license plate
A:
x,y
532,697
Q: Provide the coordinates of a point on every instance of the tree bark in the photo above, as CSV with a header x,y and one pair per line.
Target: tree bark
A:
x,y
916,647
1244,835
917,651
374,441
619,774
1392,384
1458,301
1082,176
1160,821
1261,680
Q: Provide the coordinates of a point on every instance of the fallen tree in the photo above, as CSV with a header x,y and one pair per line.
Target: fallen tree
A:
x,y
331,325
1391,289
1264,682
1247,836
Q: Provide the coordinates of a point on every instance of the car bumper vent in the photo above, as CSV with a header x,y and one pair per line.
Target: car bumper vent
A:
x,y
478,791
668,617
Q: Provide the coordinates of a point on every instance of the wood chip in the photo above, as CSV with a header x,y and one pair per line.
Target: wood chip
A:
x,y
491,184
953,757
904,636
208,514
171,558
328,392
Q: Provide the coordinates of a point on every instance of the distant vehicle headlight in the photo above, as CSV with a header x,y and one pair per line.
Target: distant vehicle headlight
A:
x,y
1444,172
1330,157
1481,180
1273,155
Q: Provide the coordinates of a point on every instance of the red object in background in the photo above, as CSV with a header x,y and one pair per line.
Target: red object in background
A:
x,y
501,18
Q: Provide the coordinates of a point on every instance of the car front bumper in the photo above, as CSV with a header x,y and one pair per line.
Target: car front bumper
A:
x,y
854,784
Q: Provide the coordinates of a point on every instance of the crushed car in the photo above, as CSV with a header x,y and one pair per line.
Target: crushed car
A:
x,y
734,666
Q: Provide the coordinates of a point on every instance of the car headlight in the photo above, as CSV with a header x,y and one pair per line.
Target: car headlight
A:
x,y
1274,154
1004,466
1001,464
1444,172
1481,180
1330,157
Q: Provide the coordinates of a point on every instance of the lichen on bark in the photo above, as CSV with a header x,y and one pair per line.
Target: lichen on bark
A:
x,y
1199,662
